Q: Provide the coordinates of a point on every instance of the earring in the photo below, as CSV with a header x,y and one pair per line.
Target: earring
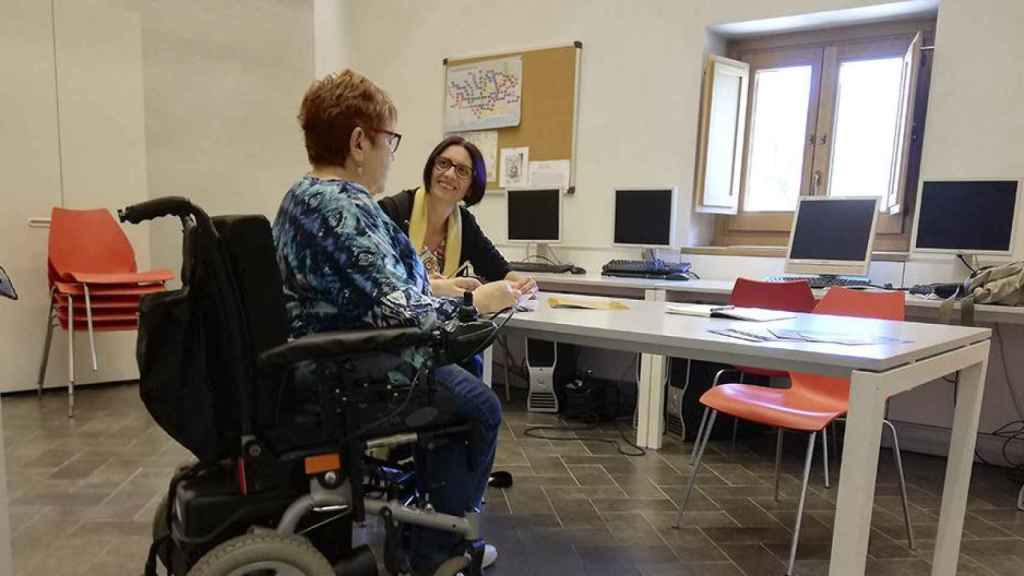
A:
x,y
359,169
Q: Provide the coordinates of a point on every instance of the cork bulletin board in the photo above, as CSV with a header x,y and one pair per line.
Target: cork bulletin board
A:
x,y
548,107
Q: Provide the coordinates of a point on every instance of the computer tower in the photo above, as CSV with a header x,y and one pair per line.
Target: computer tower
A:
x,y
541,359
674,422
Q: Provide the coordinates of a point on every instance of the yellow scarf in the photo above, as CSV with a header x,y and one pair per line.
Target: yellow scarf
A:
x,y
418,232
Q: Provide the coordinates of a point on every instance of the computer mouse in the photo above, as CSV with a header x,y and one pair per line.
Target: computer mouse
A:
x,y
578,270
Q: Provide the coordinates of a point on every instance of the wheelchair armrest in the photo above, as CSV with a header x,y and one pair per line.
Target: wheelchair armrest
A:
x,y
343,343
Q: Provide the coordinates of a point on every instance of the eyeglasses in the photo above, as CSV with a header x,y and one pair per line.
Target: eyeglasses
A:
x,y
442,164
393,138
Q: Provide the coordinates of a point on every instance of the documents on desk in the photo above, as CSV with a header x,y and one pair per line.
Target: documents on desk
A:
x,y
586,303
736,313
761,334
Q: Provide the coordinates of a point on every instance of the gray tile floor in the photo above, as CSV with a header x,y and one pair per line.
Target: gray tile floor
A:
x,y
83,492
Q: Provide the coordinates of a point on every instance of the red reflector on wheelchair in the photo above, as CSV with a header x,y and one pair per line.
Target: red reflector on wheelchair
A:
x,y
322,463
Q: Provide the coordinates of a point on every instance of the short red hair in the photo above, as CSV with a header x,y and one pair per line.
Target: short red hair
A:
x,y
333,107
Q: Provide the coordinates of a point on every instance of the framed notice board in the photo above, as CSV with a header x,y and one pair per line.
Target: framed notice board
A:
x,y
520,105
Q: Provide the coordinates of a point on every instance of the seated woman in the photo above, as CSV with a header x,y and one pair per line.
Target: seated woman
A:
x,y
345,265
442,230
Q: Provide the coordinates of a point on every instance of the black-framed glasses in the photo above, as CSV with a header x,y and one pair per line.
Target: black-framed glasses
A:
x,y
393,138
442,164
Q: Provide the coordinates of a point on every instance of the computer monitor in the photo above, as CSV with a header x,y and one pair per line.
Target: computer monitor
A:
x,y
966,216
645,217
534,215
832,236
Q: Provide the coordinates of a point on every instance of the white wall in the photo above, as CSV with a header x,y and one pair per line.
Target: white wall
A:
x,y
640,91
111,102
332,37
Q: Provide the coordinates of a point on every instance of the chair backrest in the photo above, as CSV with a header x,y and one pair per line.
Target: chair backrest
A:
x,y
789,296
839,301
87,241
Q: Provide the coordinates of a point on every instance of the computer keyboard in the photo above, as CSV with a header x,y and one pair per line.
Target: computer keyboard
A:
x,y
539,267
818,282
647,269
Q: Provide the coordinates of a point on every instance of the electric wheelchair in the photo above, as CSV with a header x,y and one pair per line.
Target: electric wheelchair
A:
x,y
285,472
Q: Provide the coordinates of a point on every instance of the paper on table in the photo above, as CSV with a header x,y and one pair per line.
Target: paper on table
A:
x,y
586,304
833,337
6,286
554,173
714,311
487,142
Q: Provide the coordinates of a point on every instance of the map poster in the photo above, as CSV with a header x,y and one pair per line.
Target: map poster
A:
x,y
483,95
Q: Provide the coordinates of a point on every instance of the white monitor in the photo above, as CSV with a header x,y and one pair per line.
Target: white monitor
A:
x,y
534,215
832,235
970,216
645,217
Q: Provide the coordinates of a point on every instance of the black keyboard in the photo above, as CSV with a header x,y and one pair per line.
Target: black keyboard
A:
x,y
818,282
538,267
658,269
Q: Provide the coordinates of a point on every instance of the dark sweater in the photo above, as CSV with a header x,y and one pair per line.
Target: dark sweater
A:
x,y
487,262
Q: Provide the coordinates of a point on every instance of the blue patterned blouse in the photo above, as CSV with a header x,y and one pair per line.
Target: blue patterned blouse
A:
x,y
346,265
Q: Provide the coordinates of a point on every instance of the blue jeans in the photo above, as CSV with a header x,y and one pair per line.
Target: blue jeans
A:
x,y
455,474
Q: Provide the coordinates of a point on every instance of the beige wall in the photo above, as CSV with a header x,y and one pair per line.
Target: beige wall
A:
x,y
117,101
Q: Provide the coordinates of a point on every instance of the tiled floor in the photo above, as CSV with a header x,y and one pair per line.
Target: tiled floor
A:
x,y
82,494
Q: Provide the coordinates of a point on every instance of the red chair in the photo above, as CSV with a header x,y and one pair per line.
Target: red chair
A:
x,y
795,296
92,272
810,404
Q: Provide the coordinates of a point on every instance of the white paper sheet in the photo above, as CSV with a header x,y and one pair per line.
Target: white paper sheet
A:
x,y
484,95
554,173
515,164
487,142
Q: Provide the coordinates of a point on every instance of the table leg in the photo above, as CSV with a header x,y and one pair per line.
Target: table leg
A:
x,y
958,467
650,392
856,493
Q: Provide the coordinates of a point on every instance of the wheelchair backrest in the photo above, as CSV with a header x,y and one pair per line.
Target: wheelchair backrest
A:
x,y
249,247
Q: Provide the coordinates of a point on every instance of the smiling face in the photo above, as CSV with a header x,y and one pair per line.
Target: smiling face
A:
x,y
453,171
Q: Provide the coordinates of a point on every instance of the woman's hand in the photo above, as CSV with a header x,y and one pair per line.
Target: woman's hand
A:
x,y
495,296
452,287
526,285
466,283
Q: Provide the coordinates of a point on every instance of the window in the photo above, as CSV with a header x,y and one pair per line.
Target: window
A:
x,y
835,112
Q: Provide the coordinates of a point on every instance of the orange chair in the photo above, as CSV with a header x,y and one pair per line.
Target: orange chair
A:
x,y
92,272
794,296
810,404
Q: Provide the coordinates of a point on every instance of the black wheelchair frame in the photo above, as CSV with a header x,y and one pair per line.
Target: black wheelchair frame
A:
x,y
284,476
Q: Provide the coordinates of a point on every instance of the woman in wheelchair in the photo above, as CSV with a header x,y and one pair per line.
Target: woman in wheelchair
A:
x,y
345,265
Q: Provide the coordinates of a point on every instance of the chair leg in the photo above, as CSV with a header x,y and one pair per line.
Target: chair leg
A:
x,y
800,507
88,319
703,442
704,416
824,455
903,483
71,357
736,423
778,462
46,347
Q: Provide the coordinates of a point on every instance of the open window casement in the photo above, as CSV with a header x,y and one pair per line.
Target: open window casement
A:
x,y
722,135
904,128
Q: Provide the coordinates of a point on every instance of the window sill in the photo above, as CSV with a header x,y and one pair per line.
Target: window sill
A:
x,y
777,252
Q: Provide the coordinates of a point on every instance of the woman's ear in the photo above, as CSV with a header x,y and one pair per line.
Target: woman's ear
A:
x,y
358,143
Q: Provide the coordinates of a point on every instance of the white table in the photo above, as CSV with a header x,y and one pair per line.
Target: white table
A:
x,y
876,372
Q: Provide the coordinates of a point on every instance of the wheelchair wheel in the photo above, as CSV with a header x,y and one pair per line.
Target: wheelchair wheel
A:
x,y
263,554
452,566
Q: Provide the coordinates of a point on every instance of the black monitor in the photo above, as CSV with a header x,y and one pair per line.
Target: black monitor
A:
x,y
966,216
534,214
645,217
832,235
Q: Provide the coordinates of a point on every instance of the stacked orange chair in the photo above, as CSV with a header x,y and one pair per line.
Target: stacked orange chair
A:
x,y
810,404
95,285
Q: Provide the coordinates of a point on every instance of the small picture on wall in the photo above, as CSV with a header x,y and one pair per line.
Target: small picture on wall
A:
x,y
515,164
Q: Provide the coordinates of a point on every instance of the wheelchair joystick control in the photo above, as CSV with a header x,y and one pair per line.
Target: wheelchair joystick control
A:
x,y
467,312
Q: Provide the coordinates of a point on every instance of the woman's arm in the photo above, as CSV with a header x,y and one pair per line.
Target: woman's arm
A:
x,y
487,261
